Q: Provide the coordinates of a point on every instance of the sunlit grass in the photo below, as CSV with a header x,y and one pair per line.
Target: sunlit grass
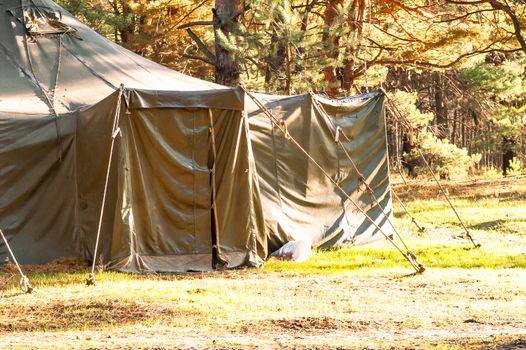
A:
x,y
438,256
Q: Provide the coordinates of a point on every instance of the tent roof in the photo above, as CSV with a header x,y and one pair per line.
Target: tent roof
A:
x,y
65,64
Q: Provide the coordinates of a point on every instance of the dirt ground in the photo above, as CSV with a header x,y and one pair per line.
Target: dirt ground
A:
x,y
444,308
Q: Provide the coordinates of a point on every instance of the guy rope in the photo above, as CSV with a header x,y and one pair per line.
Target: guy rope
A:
x,y
24,281
411,258
114,133
397,114
361,178
420,228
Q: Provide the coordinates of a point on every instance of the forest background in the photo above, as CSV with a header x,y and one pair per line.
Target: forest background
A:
x,y
453,70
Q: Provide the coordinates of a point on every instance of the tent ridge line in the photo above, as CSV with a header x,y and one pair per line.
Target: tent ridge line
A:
x,y
90,69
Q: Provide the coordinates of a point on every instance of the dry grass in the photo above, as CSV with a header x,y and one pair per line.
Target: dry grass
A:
x,y
322,304
512,188
380,308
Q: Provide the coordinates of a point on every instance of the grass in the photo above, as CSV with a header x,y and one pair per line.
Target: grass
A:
x,y
461,255
356,297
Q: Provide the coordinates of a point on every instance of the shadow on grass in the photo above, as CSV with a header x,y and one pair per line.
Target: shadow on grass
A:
x,y
82,314
499,225
59,278
489,225
509,189
310,325
513,345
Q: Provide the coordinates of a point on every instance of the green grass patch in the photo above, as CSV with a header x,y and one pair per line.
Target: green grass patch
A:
x,y
383,256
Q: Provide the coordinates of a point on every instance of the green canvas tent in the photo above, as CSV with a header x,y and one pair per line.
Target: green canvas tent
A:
x,y
196,177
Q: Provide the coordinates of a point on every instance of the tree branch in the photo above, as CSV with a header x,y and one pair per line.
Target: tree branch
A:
x,y
499,6
441,66
195,23
185,17
195,57
516,23
204,49
463,16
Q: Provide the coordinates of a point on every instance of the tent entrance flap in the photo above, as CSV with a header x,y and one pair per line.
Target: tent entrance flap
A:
x,y
169,189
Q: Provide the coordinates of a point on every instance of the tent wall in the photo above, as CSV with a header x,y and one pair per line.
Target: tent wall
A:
x,y
243,237
299,201
37,187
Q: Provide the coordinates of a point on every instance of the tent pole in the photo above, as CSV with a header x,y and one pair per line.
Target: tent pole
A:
x,y
410,257
24,281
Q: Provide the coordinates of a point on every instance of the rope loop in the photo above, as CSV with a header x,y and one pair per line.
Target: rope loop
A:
x,y
337,134
361,182
283,127
24,281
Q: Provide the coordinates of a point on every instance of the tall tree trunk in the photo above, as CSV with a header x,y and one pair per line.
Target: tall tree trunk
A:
x,y
331,46
463,128
508,153
355,18
225,16
279,57
408,144
125,32
440,107
454,131
309,5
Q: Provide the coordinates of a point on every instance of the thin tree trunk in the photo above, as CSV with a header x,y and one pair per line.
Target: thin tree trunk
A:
x,y
463,130
454,131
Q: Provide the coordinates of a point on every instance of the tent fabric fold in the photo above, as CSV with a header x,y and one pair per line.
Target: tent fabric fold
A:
x,y
58,99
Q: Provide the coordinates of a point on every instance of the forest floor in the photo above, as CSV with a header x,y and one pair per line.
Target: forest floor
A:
x,y
362,297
